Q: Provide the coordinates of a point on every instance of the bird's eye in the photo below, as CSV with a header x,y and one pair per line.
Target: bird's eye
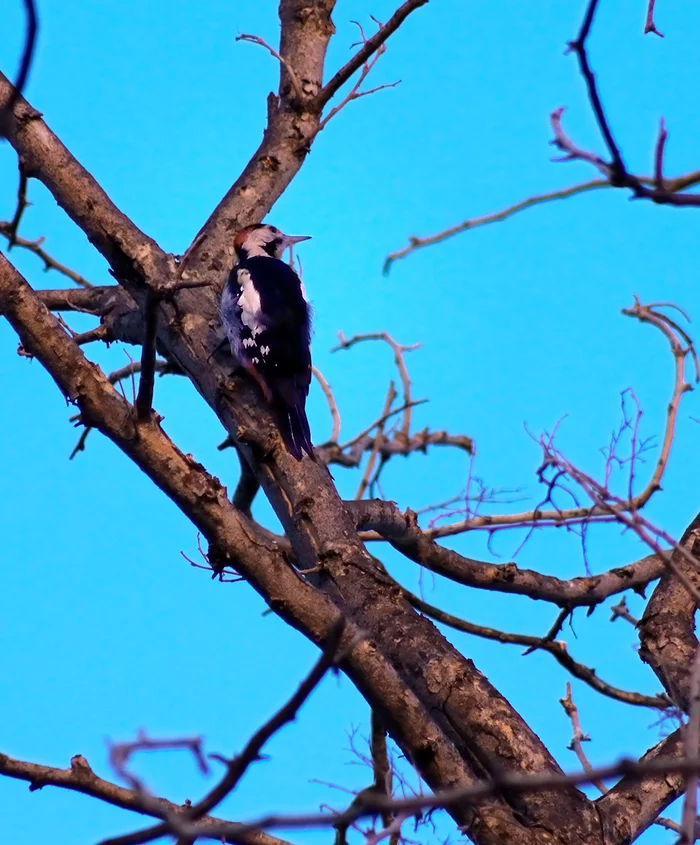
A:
x,y
274,230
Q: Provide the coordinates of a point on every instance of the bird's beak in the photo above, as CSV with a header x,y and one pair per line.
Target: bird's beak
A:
x,y
290,240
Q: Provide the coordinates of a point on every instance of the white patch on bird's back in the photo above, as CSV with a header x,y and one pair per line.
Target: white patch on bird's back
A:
x,y
230,316
248,341
249,303
264,350
303,291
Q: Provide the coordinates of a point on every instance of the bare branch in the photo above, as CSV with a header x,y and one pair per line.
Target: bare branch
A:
x,y
332,404
35,246
238,766
399,360
79,777
121,752
22,204
25,63
116,376
575,745
578,737
255,39
621,611
378,439
100,332
369,47
682,349
667,628
557,648
373,804
617,172
355,93
378,519
415,242
649,25
659,157
679,183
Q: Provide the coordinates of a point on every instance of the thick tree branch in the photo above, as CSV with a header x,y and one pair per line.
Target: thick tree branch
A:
x,y
635,802
445,716
457,686
405,535
667,628
130,253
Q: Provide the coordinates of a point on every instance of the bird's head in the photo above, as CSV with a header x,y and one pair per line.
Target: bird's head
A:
x,y
263,240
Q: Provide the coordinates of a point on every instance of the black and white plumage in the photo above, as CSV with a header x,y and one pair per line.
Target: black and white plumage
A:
x,y
268,324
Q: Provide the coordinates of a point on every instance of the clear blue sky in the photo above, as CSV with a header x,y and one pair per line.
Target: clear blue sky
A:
x,y
104,628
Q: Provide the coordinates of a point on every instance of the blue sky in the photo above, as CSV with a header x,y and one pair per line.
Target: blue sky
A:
x,y
104,627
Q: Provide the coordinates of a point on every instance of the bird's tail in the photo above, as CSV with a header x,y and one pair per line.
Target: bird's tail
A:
x,y
293,423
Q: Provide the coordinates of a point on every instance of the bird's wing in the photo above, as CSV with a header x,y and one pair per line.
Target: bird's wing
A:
x,y
283,317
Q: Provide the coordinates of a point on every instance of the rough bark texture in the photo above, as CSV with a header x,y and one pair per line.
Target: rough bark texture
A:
x,y
667,629
441,710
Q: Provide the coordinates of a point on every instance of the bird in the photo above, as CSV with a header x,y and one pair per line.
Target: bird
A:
x,y
267,321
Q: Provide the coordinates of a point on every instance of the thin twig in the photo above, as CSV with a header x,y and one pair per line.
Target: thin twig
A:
x,y
239,765
121,752
659,156
575,745
682,349
621,611
579,737
398,350
355,93
618,175
35,246
369,47
578,46
293,78
378,439
679,183
25,63
508,782
22,203
332,404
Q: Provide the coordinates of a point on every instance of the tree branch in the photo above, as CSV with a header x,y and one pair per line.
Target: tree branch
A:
x,y
370,46
239,765
649,770
557,648
79,777
235,541
25,63
401,530
35,246
677,184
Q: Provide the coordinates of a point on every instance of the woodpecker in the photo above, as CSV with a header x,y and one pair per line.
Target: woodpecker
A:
x,y
268,324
